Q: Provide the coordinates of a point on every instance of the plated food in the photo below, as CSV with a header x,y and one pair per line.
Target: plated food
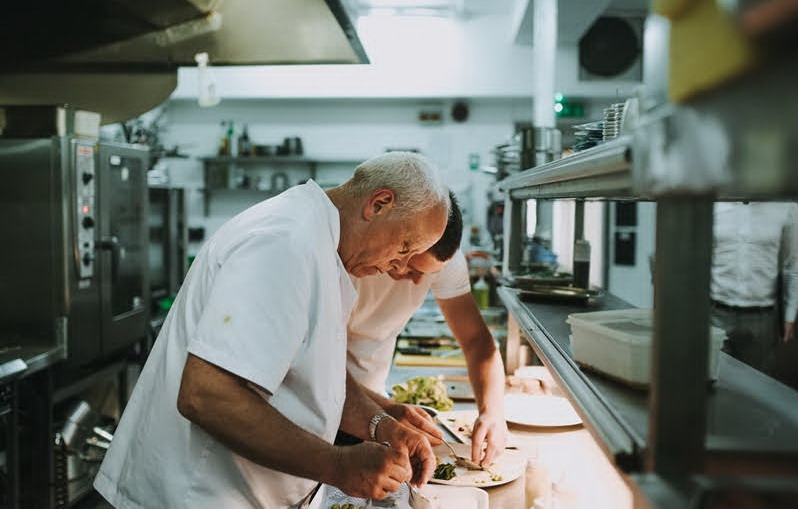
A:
x,y
506,468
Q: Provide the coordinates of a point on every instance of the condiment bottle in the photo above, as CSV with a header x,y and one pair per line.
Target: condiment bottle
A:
x,y
581,263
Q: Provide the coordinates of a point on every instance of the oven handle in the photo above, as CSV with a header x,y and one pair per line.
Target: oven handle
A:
x,y
112,244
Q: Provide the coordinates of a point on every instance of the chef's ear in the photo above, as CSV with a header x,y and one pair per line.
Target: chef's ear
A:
x,y
380,202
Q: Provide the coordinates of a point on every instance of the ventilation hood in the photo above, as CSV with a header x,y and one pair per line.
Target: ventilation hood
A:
x,y
120,57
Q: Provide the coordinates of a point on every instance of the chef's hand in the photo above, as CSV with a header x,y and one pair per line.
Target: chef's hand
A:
x,y
489,438
416,445
789,332
370,470
418,419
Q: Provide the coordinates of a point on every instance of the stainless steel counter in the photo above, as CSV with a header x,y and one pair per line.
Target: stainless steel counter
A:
x,y
748,412
17,361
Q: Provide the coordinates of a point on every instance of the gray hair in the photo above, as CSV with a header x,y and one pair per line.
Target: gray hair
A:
x,y
413,178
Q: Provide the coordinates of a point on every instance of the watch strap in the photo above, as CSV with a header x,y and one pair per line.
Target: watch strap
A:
x,y
373,422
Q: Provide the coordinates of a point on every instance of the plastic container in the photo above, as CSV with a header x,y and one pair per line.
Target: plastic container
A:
x,y
618,343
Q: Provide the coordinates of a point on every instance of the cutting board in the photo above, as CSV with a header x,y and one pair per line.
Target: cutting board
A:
x,y
428,360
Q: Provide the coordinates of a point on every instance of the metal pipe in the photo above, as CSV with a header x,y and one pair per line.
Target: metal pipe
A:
x,y
514,231
579,220
678,395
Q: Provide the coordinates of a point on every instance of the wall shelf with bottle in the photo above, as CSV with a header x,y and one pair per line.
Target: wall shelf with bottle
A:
x,y
265,175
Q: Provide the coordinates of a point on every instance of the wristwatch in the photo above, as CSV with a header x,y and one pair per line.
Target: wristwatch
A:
x,y
373,422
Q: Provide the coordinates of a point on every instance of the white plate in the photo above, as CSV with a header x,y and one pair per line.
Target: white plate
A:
x,y
442,497
459,423
539,410
461,497
509,465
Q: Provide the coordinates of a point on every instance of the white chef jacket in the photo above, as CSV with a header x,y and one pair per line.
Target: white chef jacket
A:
x,y
383,307
751,242
266,299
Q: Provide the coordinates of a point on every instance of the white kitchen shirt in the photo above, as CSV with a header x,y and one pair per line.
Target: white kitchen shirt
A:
x,y
751,241
268,300
383,307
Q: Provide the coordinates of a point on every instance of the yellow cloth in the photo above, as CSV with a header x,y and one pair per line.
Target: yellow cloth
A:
x,y
707,48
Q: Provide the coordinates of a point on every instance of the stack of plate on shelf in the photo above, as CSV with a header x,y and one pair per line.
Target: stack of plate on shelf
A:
x,y
588,135
612,121
508,157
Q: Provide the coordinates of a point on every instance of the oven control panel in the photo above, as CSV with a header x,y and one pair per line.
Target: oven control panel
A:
x,y
86,193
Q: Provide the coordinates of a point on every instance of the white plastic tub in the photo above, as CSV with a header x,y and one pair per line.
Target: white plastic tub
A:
x,y
618,343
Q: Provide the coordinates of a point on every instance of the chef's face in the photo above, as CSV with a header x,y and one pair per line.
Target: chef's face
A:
x,y
420,264
390,244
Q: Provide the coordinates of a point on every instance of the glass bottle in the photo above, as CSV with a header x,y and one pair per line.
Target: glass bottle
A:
x,y
244,145
581,263
481,292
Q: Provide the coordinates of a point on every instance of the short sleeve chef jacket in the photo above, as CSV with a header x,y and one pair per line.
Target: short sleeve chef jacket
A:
x,y
383,307
266,299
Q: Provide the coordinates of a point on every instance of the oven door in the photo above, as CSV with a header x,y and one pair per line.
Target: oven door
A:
x,y
168,241
123,244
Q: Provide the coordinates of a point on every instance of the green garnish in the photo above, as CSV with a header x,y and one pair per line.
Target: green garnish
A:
x,y
444,471
423,390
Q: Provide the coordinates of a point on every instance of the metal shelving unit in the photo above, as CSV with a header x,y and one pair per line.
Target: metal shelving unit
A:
x,y
213,167
681,440
601,171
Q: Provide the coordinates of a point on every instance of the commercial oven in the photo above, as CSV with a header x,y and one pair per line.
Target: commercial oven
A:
x,y
74,230
168,230
9,444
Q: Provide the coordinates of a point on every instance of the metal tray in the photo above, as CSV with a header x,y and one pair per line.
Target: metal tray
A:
x,y
530,280
558,293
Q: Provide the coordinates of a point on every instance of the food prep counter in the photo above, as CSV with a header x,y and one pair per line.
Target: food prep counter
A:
x,y
18,360
564,462
748,412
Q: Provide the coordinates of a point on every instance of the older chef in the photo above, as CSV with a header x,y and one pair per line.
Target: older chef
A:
x,y
385,304
242,394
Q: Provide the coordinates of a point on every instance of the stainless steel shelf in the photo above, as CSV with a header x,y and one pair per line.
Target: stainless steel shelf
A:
x,y
223,160
602,171
17,361
618,439
747,412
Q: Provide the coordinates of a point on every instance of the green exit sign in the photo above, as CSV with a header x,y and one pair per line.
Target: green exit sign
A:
x,y
568,108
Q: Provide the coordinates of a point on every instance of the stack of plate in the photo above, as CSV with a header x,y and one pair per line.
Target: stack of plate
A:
x,y
612,121
588,135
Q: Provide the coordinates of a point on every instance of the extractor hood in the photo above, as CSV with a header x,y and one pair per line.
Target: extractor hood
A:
x,y
120,57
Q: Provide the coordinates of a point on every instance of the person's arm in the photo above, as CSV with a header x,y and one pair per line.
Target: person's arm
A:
x,y
789,263
359,408
226,407
408,415
485,371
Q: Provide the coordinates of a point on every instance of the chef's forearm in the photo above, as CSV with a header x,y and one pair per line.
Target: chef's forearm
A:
x,y
360,406
485,369
226,408
377,398
486,373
